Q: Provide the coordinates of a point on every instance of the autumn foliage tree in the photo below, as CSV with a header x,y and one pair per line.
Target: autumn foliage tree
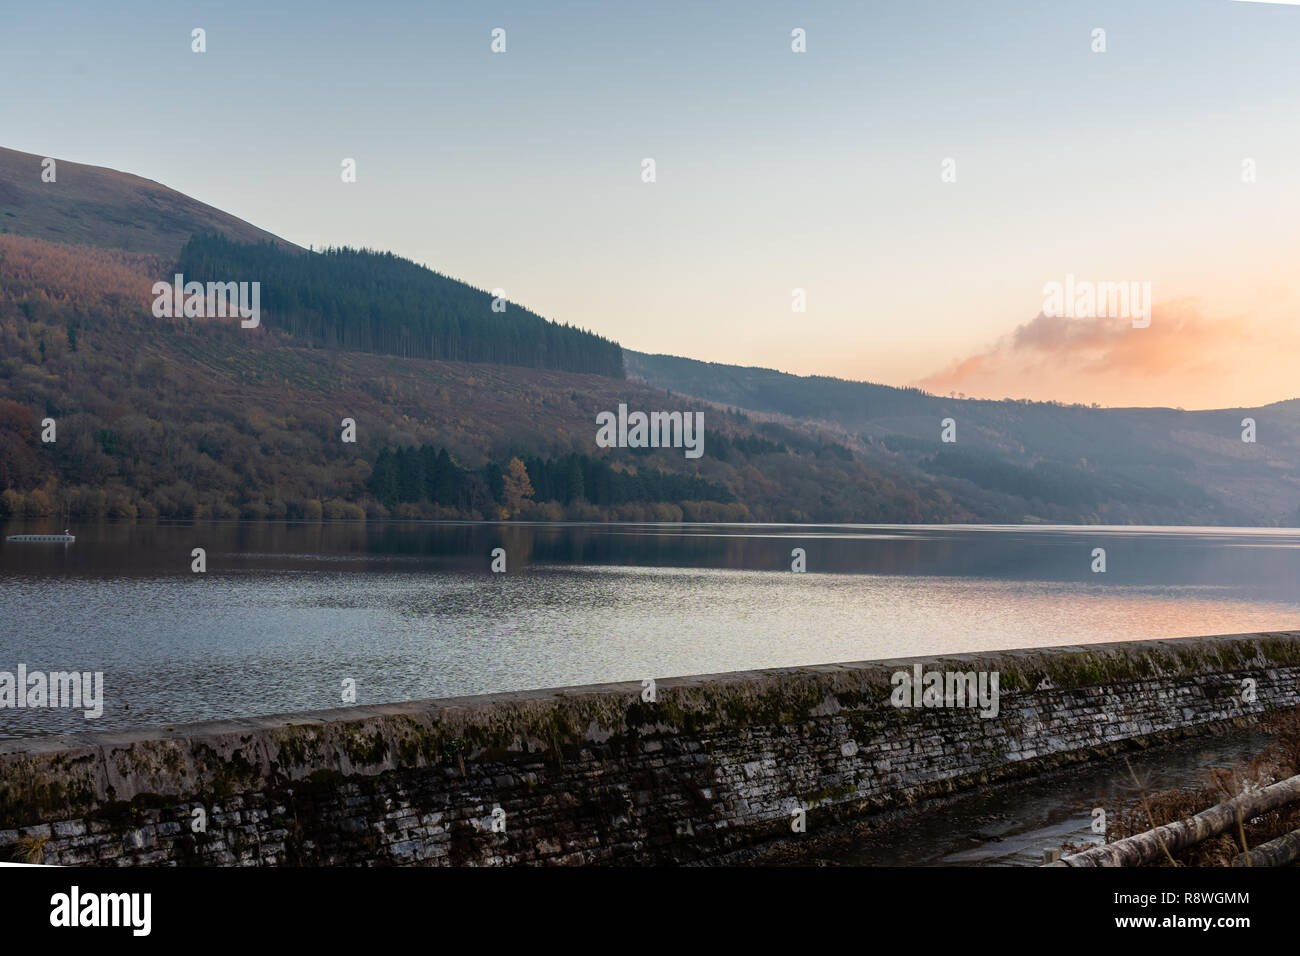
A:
x,y
518,489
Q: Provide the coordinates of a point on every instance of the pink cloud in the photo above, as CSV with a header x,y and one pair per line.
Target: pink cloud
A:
x,y
1108,360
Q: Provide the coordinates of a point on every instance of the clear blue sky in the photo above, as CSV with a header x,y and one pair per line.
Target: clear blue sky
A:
x,y
775,170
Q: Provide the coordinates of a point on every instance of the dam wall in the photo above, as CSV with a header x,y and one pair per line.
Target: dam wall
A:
x,y
690,770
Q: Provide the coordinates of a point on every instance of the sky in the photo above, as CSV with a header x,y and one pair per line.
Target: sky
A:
x,y
774,170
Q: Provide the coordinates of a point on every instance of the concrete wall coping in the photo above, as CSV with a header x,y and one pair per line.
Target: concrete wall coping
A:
x,y
448,706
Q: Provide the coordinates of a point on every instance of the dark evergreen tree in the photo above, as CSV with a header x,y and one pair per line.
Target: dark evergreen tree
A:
x,y
370,301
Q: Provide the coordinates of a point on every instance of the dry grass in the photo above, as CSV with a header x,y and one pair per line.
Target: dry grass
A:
x,y
30,849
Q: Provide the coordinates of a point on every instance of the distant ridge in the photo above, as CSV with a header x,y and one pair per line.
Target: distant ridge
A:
x,y
95,206
1101,461
184,418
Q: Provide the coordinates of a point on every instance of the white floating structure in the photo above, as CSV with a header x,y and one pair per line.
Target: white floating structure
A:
x,y
64,538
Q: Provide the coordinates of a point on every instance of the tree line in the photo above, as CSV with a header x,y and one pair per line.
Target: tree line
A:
x,y
429,474
368,301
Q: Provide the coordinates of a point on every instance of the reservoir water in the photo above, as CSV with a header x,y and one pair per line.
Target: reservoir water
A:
x,y
285,613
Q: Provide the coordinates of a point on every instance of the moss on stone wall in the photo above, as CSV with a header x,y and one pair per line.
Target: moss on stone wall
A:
x,y
218,760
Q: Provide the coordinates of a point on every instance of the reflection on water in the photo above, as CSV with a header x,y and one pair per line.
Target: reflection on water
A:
x,y
286,612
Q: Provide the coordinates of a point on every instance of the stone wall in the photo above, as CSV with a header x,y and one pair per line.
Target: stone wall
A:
x,y
596,774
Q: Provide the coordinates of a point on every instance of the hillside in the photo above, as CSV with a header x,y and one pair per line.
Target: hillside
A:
x,y
367,301
1104,464
94,206
190,418
464,411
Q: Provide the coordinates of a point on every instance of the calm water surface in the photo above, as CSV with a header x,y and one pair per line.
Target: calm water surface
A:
x,y
408,610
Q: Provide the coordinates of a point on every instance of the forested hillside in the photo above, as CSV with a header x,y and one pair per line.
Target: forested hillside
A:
x,y
459,410
1120,465
185,418
369,301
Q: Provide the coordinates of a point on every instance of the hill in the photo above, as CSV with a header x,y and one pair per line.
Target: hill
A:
x,y
1122,465
463,411
192,418
94,206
